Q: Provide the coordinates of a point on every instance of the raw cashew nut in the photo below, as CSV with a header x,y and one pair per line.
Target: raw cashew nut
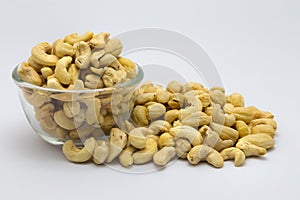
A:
x,y
41,54
63,121
95,58
205,153
213,140
264,121
261,140
112,77
36,98
71,109
194,118
262,128
137,137
145,155
73,37
44,114
218,97
101,152
113,46
171,115
163,96
28,74
241,113
140,116
176,101
72,153
242,128
175,87
160,126
128,66
146,97
164,155
234,153
236,99
226,133
61,72
182,147
250,149
155,110
46,72
93,111
125,157
187,132
83,53
166,140
193,101
61,49
118,140
93,81
99,40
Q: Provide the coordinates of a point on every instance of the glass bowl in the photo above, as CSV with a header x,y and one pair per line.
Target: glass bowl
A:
x,y
59,115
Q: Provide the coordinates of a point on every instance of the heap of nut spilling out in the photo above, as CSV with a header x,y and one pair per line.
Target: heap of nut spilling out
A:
x,y
151,123
185,121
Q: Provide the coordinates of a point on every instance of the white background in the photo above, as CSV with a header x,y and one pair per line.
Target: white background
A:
x,y
255,45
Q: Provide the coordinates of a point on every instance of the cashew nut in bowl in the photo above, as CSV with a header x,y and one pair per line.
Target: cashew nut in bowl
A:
x,y
28,74
72,153
99,40
61,72
61,49
113,46
41,54
74,37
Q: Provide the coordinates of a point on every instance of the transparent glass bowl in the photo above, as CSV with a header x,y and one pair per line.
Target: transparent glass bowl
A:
x,y
59,115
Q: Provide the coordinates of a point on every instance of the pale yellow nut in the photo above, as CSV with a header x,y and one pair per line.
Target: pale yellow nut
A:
x,y
146,97
137,136
145,155
125,157
187,132
175,87
117,142
101,152
229,120
61,72
204,153
41,54
106,60
241,113
155,110
36,98
226,133
93,106
74,73
160,126
29,75
191,100
62,49
213,140
218,97
129,66
99,40
263,121
195,119
60,133
63,121
171,115
177,101
205,99
113,77
140,116
261,140
82,56
236,99
93,81
242,128
234,153
166,139
163,96
71,109
182,147
43,111
46,72
164,155
262,128
95,57
258,114
72,153
114,47
74,37
250,149
196,86
36,66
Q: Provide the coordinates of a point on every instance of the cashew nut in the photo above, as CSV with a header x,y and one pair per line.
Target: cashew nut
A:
x,y
41,54
99,40
101,152
160,126
95,58
264,121
213,140
117,142
250,149
46,72
61,49
242,128
261,140
262,128
72,153
71,109
137,137
63,121
155,110
236,99
164,155
113,46
73,37
175,87
125,157
205,153
145,155
226,133
187,132
166,140
83,53
234,153
61,72
93,81
28,74
128,66
182,147
171,115
140,116
218,97
146,97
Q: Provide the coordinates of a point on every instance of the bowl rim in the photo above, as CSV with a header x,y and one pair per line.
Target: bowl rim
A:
x,y
136,80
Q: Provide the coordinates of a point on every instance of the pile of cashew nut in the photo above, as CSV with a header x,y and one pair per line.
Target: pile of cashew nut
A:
x,y
77,62
186,121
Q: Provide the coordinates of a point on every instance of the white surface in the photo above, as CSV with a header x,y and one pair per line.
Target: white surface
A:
x,y
255,46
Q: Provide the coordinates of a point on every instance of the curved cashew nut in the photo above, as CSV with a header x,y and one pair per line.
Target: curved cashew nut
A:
x,y
130,67
175,87
261,140
264,121
41,54
171,115
46,72
61,72
206,153
45,115
242,128
183,147
101,152
117,142
155,110
213,140
36,98
226,133
55,84
113,46
137,137
74,154
93,111
160,126
95,58
164,155
125,157
194,118
234,153
250,149
61,49
187,132
83,53
73,37
63,121
166,140
146,97
93,81
36,66
99,40
145,155
193,101
236,99
29,75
